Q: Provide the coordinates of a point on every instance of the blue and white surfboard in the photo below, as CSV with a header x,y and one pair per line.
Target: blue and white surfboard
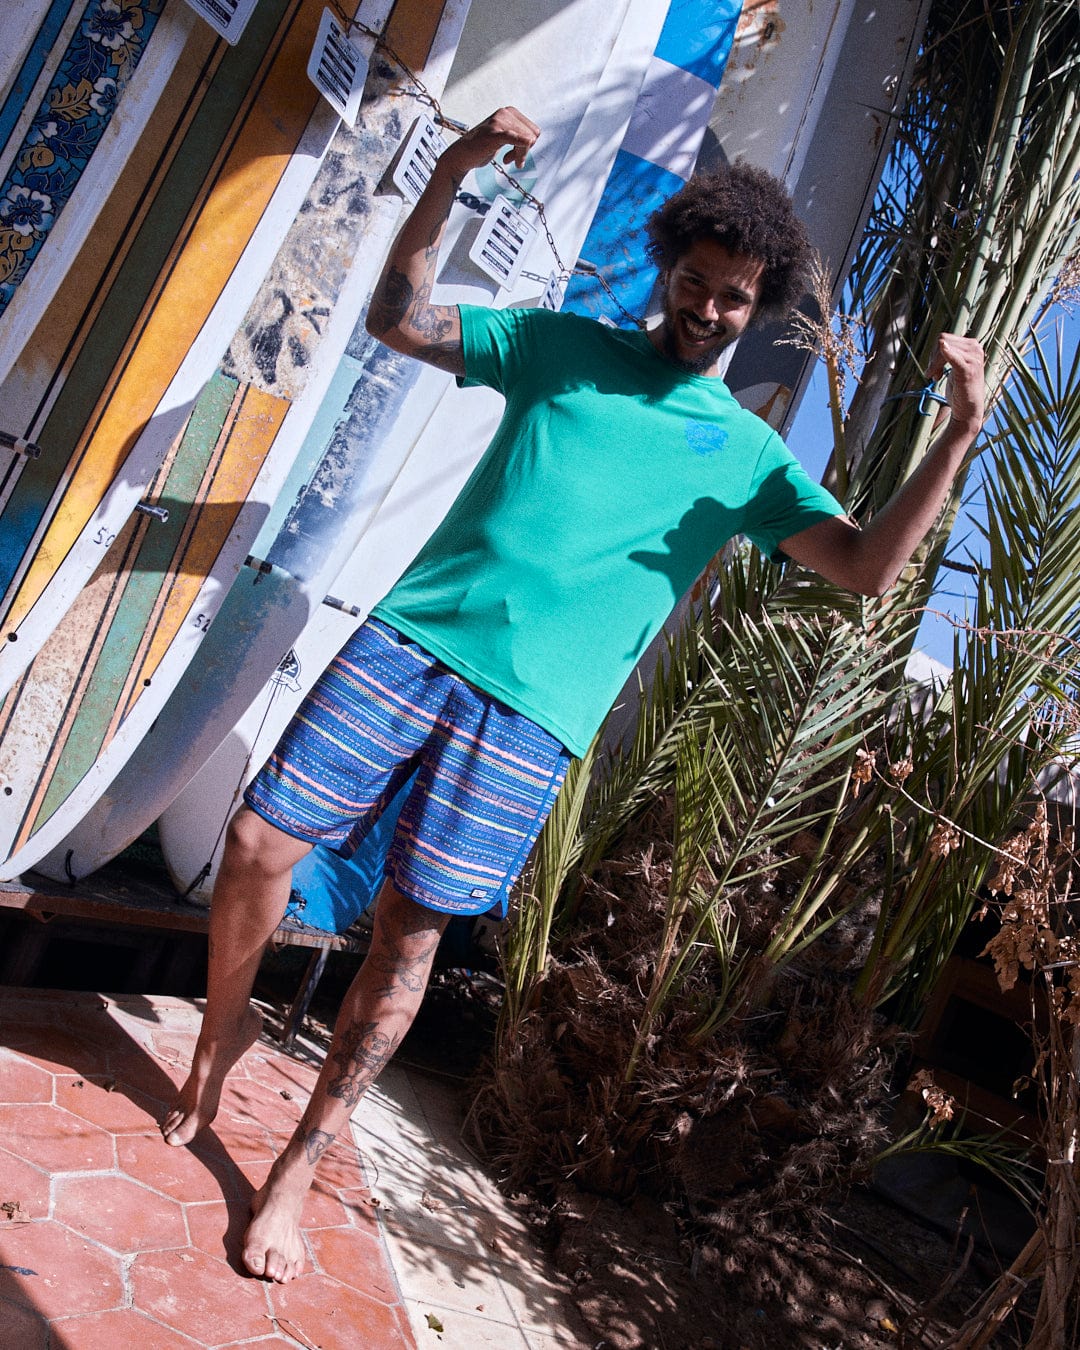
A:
x,y
657,156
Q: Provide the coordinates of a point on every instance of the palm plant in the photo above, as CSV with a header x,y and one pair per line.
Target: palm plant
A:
x,y
976,228
788,776
1004,723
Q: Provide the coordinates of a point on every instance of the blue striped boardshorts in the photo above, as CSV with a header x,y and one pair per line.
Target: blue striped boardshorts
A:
x,y
384,709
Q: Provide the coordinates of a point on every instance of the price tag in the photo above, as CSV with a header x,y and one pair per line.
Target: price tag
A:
x,y
417,158
503,243
554,291
228,18
337,68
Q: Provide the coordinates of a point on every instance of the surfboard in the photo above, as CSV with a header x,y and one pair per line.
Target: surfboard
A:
x,y
378,406
106,434
72,108
103,676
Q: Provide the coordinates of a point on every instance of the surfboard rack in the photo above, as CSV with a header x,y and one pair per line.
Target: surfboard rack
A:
x,y
168,931
21,446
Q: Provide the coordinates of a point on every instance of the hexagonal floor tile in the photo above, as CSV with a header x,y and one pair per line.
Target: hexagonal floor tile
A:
x,y
112,1105
55,1272
22,1081
55,1139
320,1311
24,1189
217,1227
183,1173
342,1252
194,1294
123,1329
245,1101
119,1213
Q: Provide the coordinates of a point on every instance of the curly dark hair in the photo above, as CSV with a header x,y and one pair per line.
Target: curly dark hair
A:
x,y
748,211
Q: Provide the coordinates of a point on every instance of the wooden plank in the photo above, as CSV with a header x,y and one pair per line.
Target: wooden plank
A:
x,y
145,907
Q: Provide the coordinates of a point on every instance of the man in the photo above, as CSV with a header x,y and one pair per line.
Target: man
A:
x,y
622,464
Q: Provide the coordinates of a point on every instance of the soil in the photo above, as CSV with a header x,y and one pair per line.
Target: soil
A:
x,y
879,1278
867,1276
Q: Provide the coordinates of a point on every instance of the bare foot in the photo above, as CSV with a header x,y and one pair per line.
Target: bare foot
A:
x,y
197,1101
273,1246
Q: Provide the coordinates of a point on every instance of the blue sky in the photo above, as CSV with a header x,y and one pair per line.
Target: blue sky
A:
x,y
811,440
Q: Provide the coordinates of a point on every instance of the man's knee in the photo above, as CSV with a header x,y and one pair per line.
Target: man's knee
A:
x,y
253,844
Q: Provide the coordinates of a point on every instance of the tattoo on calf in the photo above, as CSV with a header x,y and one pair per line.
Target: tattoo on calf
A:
x,y
410,972
316,1142
364,1051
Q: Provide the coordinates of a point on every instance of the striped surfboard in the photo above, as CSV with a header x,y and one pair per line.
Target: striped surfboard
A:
x,y
241,170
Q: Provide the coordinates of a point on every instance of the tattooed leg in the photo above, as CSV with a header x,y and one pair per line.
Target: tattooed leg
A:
x,y
374,1017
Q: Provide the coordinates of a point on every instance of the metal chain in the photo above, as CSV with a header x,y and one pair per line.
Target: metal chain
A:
x,y
425,96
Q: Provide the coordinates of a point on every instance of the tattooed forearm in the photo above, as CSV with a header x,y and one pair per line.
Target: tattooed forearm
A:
x,y
316,1142
364,1050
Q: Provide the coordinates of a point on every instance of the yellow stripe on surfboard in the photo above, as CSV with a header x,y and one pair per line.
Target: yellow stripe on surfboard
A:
x,y
219,229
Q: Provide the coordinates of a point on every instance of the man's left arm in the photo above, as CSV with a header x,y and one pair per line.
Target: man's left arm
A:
x,y
870,560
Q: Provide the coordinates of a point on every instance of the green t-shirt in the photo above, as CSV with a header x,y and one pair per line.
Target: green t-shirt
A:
x,y
612,480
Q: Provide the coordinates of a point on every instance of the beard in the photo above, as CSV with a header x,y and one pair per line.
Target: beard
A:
x,y
692,365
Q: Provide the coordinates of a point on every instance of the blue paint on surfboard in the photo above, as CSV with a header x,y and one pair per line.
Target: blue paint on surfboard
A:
x,y
33,64
695,42
76,110
697,36
615,242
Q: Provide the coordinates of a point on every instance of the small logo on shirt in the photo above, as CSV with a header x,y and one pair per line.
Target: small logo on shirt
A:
x,y
477,894
704,438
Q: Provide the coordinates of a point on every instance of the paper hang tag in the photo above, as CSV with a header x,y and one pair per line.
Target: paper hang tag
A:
x,y
337,68
503,243
554,291
417,158
228,18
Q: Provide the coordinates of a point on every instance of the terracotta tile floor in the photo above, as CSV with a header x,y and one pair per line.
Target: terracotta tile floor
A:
x,y
109,1240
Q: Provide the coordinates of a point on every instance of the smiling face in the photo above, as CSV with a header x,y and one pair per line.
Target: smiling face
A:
x,y
710,298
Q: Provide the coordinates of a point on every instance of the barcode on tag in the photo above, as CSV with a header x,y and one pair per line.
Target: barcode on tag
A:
x,y
503,243
416,162
226,17
337,69
554,291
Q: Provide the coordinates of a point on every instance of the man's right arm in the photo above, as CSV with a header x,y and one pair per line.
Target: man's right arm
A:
x,y
401,313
